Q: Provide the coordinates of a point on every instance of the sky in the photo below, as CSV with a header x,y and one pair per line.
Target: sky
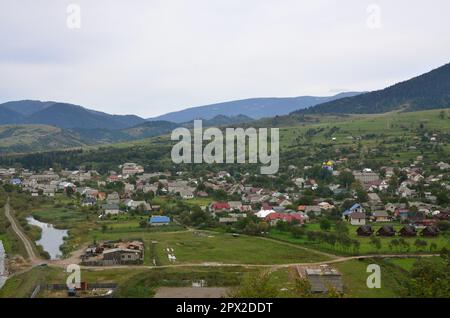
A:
x,y
150,57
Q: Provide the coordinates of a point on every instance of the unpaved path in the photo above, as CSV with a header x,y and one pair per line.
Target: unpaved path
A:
x,y
269,266
22,236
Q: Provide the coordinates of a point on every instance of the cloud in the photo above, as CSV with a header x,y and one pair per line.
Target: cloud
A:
x,y
151,57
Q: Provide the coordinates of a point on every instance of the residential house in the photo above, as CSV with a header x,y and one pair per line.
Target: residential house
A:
x,y
314,209
274,218
187,193
228,220
159,220
235,205
129,188
113,198
380,216
355,208
366,176
111,209
358,218
402,214
150,188
218,207
374,198
264,213
88,201
443,166
326,206
134,205
15,182
130,168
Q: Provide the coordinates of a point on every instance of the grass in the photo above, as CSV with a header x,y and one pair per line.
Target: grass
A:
x,y
394,131
200,201
212,247
355,279
11,243
408,263
22,285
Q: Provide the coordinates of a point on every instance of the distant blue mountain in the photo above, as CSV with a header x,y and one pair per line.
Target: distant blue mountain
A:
x,y
255,108
63,115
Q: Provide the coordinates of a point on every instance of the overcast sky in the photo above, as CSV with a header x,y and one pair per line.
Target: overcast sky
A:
x,y
149,57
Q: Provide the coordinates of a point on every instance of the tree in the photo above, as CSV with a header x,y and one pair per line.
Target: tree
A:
x,y
298,232
69,191
255,285
376,242
395,243
356,246
443,226
346,178
404,244
143,224
333,292
429,279
341,227
325,224
303,288
420,244
433,247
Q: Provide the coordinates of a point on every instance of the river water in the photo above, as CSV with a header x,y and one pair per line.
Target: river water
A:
x,y
51,238
2,265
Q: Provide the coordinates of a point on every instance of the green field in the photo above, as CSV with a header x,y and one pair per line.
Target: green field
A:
x,y
212,247
355,279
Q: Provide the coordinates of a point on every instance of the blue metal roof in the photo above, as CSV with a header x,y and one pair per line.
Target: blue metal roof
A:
x,y
350,211
159,219
16,181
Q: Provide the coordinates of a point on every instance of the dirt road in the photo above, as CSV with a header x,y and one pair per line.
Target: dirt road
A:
x,y
22,236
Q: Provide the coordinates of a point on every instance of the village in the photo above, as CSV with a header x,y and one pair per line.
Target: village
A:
x,y
401,210
355,197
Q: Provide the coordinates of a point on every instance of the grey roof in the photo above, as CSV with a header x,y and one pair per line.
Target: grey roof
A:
x,y
111,207
320,283
358,215
380,214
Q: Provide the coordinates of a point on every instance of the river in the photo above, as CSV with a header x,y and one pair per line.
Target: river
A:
x,y
2,265
51,238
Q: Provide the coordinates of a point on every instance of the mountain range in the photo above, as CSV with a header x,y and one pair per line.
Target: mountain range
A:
x,y
33,125
63,115
255,108
427,91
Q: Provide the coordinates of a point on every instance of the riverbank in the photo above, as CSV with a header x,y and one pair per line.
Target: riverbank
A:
x,y
3,272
